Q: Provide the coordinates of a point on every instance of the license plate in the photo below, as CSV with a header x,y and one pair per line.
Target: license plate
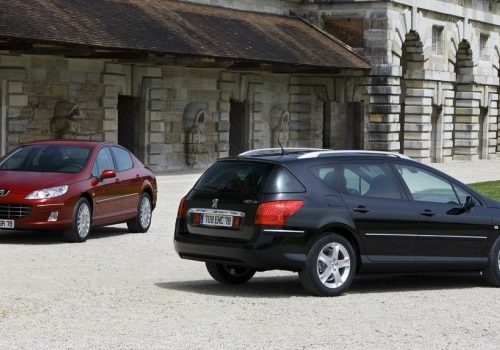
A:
x,y
6,224
217,220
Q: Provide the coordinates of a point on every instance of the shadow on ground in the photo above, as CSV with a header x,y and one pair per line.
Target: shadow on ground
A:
x,y
48,237
289,286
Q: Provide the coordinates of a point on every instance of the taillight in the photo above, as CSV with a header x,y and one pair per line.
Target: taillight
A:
x,y
181,212
275,213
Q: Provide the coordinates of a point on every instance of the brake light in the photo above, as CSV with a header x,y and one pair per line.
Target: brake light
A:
x,y
275,213
181,212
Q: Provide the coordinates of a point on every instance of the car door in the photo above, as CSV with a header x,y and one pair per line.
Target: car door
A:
x,y
385,219
105,191
128,181
448,232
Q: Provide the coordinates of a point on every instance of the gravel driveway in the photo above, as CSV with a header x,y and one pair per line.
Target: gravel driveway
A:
x,y
131,291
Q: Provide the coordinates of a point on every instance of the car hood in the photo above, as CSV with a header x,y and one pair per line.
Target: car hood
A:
x,y
27,181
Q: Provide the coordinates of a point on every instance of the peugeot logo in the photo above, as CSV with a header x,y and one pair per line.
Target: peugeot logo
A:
x,y
215,202
3,192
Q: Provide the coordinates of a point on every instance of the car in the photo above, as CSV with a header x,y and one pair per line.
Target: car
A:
x,y
330,215
72,186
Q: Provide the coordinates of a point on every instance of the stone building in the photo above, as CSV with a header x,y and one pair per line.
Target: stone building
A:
x,y
182,83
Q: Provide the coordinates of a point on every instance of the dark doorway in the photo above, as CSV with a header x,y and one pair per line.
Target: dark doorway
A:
x,y
354,125
327,125
238,128
130,125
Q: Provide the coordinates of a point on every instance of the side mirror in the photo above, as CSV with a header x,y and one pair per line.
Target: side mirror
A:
x,y
469,203
107,174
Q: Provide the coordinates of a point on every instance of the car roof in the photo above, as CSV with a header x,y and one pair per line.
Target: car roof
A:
x,y
291,154
83,143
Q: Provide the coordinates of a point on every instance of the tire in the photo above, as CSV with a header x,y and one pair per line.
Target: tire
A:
x,y
141,222
229,274
330,266
492,271
82,222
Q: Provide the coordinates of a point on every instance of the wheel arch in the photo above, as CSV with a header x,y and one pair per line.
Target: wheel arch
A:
x,y
348,234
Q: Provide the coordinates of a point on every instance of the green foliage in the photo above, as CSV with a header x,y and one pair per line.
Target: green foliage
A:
x,y
489,188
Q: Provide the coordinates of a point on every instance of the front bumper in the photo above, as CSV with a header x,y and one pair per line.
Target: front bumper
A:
x,y
38,217
272,249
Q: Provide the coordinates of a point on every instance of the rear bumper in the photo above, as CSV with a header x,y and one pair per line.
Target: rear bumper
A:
x,y
273,249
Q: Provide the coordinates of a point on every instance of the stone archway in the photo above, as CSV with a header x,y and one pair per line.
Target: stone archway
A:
x,y
414,119
466,122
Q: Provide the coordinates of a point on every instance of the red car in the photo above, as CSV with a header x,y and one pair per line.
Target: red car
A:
x,y
72,186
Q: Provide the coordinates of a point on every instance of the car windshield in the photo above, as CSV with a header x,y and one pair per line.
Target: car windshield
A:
x,y
47,159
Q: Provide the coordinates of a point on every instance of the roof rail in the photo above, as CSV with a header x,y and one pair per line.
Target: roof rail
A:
x,y
279,151
316,154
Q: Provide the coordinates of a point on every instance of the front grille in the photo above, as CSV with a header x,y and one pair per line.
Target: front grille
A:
x,y
14,211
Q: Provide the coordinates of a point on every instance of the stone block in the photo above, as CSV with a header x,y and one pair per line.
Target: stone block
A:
x,y
418,101
73,76
424,110
60,90
416,136
383,90
384,118
377,137
419,92
156,115
383,127
384,146
159,148
466,127
300,107
384,108
156,137
111,136
110,102
384,99
223,125
109,125
15,87
17,125
158,105
409,144
18,100
114,79
157,127
411,127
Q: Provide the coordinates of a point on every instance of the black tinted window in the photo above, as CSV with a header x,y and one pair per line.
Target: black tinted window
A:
x,y
122,158
282,181
239,177
369,180
327,173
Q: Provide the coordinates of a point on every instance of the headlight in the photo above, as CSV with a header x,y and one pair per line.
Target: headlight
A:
x,y
48,192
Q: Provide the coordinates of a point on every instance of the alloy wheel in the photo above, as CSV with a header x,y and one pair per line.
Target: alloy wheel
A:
x,y
333,265
83,220
145,212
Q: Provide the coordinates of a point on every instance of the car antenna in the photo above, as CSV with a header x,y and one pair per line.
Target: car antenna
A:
x,y
279,143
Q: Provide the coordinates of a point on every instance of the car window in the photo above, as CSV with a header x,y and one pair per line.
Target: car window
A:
x,y
104,161
122,158
282,181
47,158
461,194
327,173
369,180
235,177
427,187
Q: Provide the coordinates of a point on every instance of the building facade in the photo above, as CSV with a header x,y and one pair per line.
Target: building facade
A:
x,y
431,91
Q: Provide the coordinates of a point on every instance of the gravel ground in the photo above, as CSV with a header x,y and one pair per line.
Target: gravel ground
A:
x,y
131,291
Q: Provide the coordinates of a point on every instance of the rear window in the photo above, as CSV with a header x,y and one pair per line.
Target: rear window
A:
x,y
236,177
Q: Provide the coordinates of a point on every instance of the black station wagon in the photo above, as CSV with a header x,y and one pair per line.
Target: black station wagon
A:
x,y
332,214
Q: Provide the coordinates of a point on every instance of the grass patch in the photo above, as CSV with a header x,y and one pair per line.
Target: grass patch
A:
x,y
489,188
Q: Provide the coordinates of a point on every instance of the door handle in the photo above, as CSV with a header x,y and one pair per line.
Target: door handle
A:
x,y
428,212
361,209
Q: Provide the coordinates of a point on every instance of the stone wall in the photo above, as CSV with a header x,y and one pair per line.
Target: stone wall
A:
x,y
434,100
38,88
